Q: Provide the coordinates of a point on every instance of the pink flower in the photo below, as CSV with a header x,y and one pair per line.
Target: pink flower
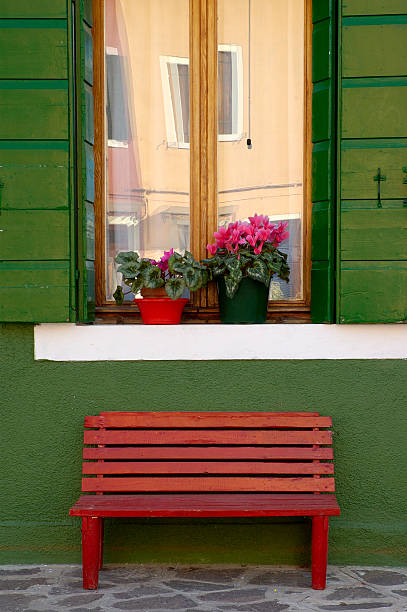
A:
x,y
279,233
257,250
212,248
259,221
163,263
221,236
251,240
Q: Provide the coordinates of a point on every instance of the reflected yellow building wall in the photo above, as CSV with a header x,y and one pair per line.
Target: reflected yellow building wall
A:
x,y
161,28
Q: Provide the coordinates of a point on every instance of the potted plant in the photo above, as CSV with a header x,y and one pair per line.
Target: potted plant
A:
x,y
245,257
161,283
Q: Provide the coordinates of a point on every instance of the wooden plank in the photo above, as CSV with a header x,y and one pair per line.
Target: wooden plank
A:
x,y
208,467
322,225
34,175
374,7
374,108
208,452
371,233
239,437
321,171
28,8
321,9
26,235
209,483
360,160
89,227
88,173
321,41
373,291
89,133
374,46
33,49
321,104
212,505
322,294
34,291
189,420
88,53
34,110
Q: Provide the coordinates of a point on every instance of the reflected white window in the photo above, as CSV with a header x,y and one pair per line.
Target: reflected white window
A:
x,y
230,92
117,116
175,83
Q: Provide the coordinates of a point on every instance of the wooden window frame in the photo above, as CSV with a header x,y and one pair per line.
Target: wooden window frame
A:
x,y
203,54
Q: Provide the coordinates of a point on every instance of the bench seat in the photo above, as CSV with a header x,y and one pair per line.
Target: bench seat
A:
x,y
209,465
204,505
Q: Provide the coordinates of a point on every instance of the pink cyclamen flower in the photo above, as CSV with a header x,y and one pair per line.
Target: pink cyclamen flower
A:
x,y
221,236
212,248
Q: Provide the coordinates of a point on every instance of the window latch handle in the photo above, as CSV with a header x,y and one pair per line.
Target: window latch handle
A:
x,y
379,178
1,192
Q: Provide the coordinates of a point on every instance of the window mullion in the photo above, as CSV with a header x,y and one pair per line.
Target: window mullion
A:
x,y
203,103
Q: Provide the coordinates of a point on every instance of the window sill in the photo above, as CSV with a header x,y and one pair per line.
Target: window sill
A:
x,y
70,342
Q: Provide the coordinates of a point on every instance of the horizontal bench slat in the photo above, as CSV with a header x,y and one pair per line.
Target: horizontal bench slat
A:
x,y
207,467
207,484
209,452
241,437
191,420
206,505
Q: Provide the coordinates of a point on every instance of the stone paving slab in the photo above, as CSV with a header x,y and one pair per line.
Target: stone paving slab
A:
x,y
58,588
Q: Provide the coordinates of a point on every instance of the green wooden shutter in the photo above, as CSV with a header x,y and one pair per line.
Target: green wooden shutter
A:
x,y
43,278
35,250
372,231
85,229
323,160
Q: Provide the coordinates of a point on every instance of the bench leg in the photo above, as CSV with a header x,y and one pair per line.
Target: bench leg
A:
x,y
101,545
91,536
319,551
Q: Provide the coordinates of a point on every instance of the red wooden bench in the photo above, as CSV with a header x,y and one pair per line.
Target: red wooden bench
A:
x,y
206,464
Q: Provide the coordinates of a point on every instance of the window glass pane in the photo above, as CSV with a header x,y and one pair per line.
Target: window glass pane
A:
x,y
261,97
147,129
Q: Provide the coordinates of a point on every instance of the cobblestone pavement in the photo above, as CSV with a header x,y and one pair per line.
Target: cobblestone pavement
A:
x,y
56,588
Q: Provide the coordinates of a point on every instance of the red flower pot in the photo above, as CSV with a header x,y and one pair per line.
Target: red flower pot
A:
x,y
161,311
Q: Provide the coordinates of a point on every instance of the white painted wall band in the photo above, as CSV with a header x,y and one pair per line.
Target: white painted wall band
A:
x,y
70,342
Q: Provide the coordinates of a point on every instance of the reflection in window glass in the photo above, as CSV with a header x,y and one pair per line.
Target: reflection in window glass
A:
x,y
147,198
267,176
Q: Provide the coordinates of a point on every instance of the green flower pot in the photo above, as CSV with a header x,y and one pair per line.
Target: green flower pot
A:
x,y
248,305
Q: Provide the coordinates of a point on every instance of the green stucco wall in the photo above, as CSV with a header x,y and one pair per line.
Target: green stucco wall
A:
x,y
42,409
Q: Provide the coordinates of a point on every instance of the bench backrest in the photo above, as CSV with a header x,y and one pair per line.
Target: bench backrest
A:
x,y
208,452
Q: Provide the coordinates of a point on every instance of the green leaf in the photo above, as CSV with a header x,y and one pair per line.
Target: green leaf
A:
x,y
233,265
231,285
192,278
175,288
119,295
137,285
218,270
173,260
259,272
152,278
129,270
127,257
179,268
